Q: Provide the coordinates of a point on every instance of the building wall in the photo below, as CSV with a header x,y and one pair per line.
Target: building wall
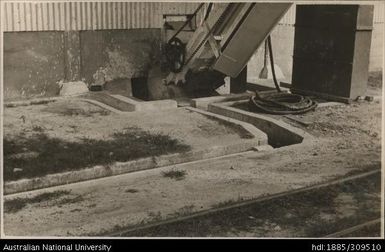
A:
x,y
118,55
45,43
77,16
33,63
82,39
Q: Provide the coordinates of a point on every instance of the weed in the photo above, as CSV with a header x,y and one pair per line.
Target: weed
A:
x,y
225,203
131,190
186,210
174,174
75,210
66,201
155,216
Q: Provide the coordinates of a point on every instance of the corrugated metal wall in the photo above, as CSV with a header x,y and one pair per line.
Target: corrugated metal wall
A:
x,y
62,16
65,16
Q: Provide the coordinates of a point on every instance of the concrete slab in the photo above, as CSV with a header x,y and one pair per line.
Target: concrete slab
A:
x,y
130,104
147,105
202,103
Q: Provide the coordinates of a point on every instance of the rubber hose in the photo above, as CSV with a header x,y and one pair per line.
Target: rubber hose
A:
x,y
280,103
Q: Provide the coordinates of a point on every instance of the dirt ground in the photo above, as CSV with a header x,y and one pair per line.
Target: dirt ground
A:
x,y
66,125
348,141
315,213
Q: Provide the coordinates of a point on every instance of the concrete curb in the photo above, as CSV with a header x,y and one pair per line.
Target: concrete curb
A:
x,y
120,168
279,133
147,105
38,101
259,135
132,104
102,105
203,103
35,101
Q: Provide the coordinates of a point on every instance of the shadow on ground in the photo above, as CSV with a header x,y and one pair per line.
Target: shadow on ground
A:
x,y
40,154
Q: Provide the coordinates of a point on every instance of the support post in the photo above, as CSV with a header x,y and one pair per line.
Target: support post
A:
x,y
238,84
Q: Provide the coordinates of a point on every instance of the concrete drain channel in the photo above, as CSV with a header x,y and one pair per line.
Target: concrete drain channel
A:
x,y
279,133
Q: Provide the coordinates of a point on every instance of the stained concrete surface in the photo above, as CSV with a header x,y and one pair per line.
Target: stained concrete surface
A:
x,y
116,54
33,64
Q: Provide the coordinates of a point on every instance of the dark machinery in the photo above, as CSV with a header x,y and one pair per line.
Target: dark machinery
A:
x,y
175,52
218,49
223,43
218,44
331,50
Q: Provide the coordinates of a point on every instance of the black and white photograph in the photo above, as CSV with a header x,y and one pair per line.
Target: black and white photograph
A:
x,y
223,119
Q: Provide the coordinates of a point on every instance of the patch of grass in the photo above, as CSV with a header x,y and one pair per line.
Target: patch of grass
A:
x,y
175,174
155,216
238,129
57,155
66,201
225,203
183,211
15,205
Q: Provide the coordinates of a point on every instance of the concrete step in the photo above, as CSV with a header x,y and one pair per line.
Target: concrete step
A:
x,y
139,105
110,101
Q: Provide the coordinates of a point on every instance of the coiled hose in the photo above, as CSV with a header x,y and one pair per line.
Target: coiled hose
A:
x,y
280,103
